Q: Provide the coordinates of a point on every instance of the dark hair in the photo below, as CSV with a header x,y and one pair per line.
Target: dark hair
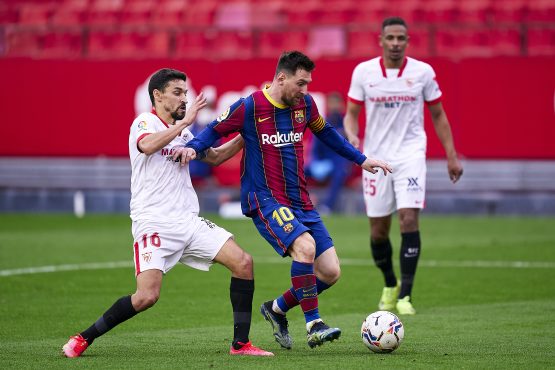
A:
x,y
291,61
160,79
391,21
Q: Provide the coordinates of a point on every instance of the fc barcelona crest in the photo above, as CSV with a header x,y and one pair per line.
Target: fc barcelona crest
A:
x,y
299,116
288,228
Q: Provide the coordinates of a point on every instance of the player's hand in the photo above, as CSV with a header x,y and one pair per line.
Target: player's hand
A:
x,y
455,169
183,155
192,111
371,164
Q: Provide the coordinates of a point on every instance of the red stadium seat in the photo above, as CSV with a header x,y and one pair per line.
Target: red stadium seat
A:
x,y
474,12
8,14
193,44
233,16
134,45
104,13
70,14
440,11
35,14
168,13
326,41
541,41
541,11
461,43
200,14
273,43
22,43
363,44
62,44
419,42
508,11
137,13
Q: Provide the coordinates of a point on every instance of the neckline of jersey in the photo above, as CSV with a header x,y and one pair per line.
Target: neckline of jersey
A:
x,y
384,73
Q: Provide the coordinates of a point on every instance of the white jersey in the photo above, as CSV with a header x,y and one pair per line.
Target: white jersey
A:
x,y
161,189
393,99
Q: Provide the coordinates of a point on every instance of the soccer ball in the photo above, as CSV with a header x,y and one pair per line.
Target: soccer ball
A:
x,y
382,332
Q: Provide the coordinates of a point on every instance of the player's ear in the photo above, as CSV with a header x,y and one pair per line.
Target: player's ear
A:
x,y
281,77
157,94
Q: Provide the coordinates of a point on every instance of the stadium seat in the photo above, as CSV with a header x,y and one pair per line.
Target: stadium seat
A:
x,y
233,16
541,11
481,42
419,42
70,13
62,44
200,14
35,14
474,12
232,45
370,12
22,43
8,14
134,44
104,13
168,13
508,11
363,44
541,41
193,44
137,13
326,41
440,12
273,43
268,15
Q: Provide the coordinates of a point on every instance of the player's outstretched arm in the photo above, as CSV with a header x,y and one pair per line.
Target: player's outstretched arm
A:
x,y
217,156
372,165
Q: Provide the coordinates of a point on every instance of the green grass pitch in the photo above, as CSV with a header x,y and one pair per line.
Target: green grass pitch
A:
x,y
484,294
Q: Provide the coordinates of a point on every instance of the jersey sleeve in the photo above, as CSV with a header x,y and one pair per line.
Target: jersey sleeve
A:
x,y
431,91
316,122
230,121
356,90
141,127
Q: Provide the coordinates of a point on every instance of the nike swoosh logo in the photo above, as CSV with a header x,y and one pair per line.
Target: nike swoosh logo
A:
x,y
260,119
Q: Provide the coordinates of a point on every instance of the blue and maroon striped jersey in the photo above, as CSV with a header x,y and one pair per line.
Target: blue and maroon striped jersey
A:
x,y
272,167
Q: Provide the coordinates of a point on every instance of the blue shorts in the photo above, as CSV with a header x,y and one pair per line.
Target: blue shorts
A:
x,y
281,225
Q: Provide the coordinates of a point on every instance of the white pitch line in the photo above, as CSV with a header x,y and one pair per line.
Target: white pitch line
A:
x,y
270,260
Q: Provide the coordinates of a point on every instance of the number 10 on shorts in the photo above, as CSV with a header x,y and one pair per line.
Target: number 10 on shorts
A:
x,y
154,241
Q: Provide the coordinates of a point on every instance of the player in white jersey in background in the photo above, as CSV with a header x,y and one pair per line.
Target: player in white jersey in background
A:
x,y
393,89
164,209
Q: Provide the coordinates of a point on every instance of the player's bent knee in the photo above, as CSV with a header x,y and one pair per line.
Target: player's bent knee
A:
x,y
145,300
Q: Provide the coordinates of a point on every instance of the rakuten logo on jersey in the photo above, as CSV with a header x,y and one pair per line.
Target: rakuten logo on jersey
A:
x,y
279,139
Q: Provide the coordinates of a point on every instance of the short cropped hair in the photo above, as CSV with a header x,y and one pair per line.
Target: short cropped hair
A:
x,y
291,61
391,21
161,78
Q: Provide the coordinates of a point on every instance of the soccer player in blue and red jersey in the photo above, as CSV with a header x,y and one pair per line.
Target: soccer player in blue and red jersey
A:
x,y
272,122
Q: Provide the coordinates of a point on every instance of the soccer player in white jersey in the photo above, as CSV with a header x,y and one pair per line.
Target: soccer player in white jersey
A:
x,y
166,226
393,89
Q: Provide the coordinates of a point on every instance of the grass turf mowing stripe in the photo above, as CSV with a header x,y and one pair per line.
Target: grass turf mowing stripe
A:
x,y
266,260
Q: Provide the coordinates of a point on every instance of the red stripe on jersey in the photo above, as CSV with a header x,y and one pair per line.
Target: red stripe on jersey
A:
x,y
272,164
141,138
384,73
137,264
434,102
164,122
267,223
357,102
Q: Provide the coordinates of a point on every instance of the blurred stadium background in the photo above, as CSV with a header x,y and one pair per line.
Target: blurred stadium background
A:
x,y
73,71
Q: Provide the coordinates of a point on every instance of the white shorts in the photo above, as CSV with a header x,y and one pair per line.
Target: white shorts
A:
x,y
194,242
404,188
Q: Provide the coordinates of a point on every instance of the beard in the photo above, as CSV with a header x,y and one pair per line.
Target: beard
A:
x,y
177,115
290,102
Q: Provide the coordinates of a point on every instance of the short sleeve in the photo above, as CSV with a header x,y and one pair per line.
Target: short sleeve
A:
x,y
431,91
356,90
